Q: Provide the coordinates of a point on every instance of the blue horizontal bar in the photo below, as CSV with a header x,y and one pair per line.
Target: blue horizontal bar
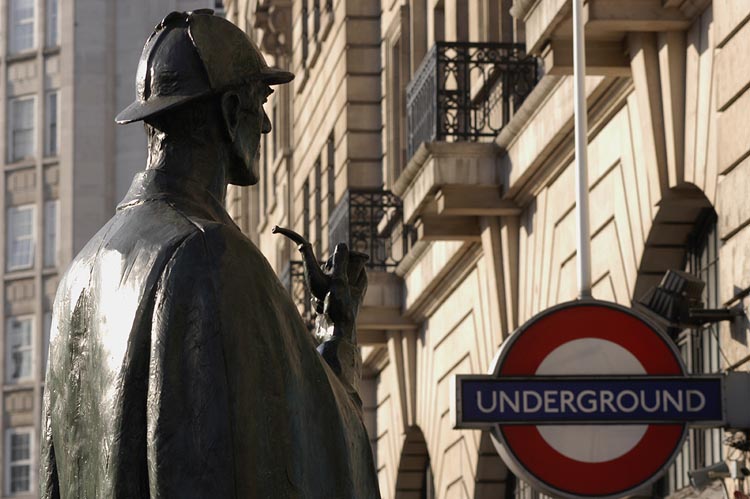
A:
x,y
632,400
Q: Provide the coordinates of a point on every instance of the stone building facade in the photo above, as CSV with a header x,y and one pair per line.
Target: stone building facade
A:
x,y
437,135
67,68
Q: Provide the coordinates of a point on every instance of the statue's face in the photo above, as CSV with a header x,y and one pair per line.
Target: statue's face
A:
x,y
253,122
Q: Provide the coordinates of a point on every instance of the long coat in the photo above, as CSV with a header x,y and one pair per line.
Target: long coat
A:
x,y
180,368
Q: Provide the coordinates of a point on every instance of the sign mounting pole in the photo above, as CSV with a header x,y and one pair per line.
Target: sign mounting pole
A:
x,y
583,230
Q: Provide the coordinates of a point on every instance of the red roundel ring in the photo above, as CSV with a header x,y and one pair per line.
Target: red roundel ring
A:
x,y
524,447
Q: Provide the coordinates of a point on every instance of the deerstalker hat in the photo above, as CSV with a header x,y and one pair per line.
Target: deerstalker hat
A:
x,y
191,55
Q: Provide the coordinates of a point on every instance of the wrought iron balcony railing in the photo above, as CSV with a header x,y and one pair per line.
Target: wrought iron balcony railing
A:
x,y
371,221
463,91
293,279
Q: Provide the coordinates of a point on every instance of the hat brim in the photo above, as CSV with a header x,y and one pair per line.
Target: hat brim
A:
x,y
275,76
140,110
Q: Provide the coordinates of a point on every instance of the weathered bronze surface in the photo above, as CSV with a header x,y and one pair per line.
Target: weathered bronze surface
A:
x,y
179,367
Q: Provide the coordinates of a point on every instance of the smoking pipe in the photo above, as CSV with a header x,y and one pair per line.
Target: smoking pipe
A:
x,y
317,281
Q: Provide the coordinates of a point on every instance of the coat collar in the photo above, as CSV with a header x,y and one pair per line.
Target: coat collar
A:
x,y
183,194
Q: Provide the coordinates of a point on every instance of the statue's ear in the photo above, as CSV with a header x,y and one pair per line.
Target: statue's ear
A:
x,y
230,111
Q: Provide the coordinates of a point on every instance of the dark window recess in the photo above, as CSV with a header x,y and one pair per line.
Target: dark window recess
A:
x,y
316,18
305,35
265,180
318,210
274,130
331,174
306,210
274,185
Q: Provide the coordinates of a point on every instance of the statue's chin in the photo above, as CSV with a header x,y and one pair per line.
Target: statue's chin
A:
x,y
245,179
242,175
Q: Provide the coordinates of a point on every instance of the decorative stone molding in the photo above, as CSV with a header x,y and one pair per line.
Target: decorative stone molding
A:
x,y
274,19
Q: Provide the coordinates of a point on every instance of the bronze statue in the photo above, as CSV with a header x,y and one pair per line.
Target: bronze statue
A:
x,y
179,367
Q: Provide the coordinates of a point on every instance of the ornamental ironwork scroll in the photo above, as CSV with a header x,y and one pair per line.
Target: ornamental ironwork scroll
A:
x,y
371,222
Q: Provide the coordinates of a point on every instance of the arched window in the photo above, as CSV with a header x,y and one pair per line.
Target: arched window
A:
x,y
700,348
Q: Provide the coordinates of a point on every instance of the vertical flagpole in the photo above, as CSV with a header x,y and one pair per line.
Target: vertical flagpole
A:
x,y
582,176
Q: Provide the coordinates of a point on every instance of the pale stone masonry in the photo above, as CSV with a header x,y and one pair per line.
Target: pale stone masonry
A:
x,y
66,166
493,217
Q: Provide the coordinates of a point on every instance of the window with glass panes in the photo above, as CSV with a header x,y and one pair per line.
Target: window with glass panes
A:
x,y
53,23
45,347
19,460
51,230
21,118
19,352
20,237
52,130
21,25
700,349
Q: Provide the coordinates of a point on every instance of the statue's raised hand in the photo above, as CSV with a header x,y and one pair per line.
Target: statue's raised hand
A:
x,y
348,283
337,288
336,326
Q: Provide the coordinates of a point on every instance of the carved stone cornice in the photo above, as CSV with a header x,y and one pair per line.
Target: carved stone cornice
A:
x,y
274,19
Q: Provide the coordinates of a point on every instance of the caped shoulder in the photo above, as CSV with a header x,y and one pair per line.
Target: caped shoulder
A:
x,y
221,246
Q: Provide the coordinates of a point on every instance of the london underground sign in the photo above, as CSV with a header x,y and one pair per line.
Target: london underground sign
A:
x,y
587,399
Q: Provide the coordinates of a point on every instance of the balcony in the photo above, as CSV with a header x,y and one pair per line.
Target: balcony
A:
x,y
371,222
466,91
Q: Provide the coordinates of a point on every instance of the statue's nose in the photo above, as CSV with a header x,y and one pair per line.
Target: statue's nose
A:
x,y
266,124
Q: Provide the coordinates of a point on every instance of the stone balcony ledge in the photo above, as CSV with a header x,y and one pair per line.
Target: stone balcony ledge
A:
x,y
436,164
381,310
549,20
446,190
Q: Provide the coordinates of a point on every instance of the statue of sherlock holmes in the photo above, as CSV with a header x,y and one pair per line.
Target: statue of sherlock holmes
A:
x,y
179,367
